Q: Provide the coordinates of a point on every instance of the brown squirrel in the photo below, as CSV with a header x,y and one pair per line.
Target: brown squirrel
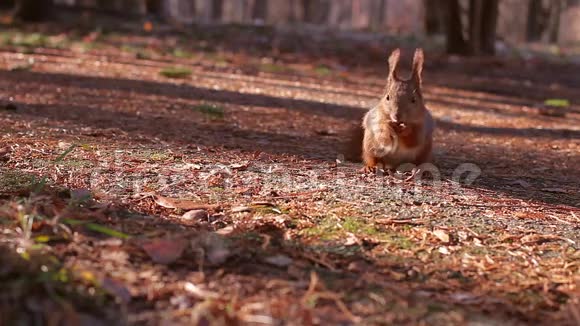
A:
x,y
399,129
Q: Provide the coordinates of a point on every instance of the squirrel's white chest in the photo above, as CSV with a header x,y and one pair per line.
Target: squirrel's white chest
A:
x,y
396,152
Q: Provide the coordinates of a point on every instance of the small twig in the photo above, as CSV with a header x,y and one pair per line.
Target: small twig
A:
x,y
353,203
395,221
298,194
314,279
319,261
336,298
311,286
559,219
198,292
267,239
263,203
497,206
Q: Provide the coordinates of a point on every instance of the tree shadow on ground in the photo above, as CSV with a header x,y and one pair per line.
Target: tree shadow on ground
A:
x,y
182,127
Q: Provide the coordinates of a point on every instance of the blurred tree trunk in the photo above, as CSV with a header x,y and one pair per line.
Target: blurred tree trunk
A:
x,y
433,19
534,21
154,7
296,11
456,43
217,8
377,15
316,11
554,20
32,10
306,8
7,5
482,23
107,4
489,17
260,10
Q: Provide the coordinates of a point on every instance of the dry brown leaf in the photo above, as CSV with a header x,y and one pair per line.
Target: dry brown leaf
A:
x,y
184,204
117,289
214,247
195,215
240,166
555,190
279,260
165,251
524,184
199,292
444,250
465,298
225,230
241,209
442,235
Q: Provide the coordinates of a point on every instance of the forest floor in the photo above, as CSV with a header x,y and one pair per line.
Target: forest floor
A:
x,y
178,180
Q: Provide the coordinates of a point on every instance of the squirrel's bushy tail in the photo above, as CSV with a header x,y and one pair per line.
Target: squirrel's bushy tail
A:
x,y
353,148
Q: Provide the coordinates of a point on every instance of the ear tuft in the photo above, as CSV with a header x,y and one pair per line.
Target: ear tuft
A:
x,y
393,63
418,60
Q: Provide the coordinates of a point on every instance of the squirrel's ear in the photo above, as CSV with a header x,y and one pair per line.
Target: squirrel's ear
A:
x,y
418,59
393,63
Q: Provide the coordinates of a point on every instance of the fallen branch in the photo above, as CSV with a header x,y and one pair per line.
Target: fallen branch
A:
x,y
298,194
396,221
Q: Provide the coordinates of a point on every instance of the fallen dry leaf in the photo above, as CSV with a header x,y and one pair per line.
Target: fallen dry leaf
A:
x,y
225,230
555,190
241,209
196,214
279,260
524,184
184,204
80,195
442,235
165,251
444,250
117,289
198,292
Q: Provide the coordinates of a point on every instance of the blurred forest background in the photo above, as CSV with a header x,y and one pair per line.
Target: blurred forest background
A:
x,y
470,26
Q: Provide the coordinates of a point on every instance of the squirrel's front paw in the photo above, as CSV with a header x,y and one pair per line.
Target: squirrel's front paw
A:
x,y
368,169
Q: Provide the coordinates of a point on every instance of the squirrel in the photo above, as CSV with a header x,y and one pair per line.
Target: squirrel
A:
x,y
399,129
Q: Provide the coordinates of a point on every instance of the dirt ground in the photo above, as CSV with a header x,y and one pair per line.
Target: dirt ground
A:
x,y
156,180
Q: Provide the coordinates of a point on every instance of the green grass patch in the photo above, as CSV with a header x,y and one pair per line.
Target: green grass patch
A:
x,y
216,58
557,102
98,228
30,41
23,67
401,242
274,68
14,181
323,70
358,226
37,278
176,72
332,228
326,229
180,53
339,250
107,231
211,110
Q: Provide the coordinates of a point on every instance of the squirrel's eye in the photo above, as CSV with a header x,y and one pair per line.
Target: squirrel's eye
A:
x,y
388,98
